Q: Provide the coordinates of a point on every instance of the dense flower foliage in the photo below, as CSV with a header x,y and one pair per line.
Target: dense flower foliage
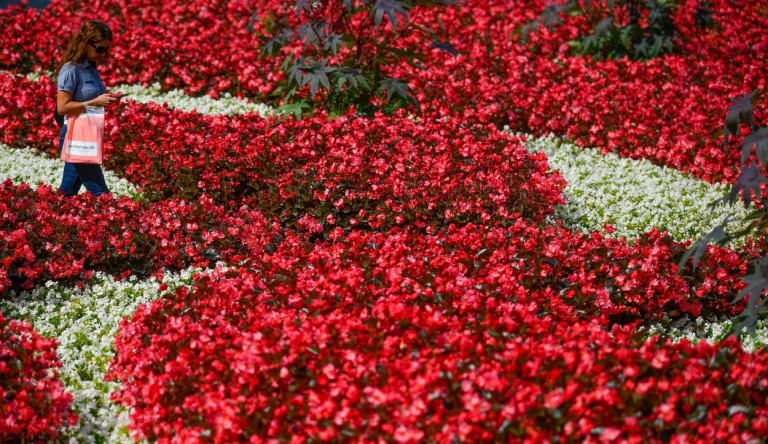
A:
x,y
498,333
154,42
396,278
666,110
44,235
349,172
84,320
617,105
33,403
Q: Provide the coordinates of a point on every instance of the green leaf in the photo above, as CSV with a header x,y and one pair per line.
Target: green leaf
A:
x,y
269,47
740,111
703,17
605,26
286,63
354,77
333,42
313,33
591,43
700,246
317,74
296,72
575,44
551,15
759,140
655,47
295,109
527,29
641,49
757,283
625,35
393,86
445,47
392,8
275,42
302,5
747,184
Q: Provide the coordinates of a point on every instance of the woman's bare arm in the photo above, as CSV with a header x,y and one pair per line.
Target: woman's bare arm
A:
x,y
66,106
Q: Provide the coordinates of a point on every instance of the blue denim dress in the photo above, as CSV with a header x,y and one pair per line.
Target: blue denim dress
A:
x,y
84,83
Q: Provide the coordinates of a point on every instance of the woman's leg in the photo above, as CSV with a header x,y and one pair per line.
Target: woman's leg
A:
x,y
70,182
92,177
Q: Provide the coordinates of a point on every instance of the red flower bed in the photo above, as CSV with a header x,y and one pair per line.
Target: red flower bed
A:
x,y
395,325
26,114
621,106
44,235
349,172
199,46
667,110
499,333
33,403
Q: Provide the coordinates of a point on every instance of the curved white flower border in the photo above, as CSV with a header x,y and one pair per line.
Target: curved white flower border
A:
x,y
633,196
176,99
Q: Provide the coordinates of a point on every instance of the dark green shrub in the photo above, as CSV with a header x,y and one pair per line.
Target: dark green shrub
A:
x,y
347,54
635,29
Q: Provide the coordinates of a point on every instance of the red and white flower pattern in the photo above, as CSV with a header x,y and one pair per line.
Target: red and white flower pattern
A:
x,y
394,279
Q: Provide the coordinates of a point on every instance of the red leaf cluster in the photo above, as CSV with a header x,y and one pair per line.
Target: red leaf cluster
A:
x,y
539,87
44,235
33,403
350,172
433,307
500,334
199,46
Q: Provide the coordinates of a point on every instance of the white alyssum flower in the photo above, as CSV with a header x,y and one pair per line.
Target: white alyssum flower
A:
x,y
633,196
27,165
177,99
34,76
85,322
712,331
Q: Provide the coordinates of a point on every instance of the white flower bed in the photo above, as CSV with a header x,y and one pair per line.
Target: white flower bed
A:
x,y
710,331
32,167
632,195
225,104
85,322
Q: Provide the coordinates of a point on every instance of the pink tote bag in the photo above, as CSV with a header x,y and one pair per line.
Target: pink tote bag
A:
x,y
84,142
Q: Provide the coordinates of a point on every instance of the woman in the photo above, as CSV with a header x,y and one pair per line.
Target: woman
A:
x,y
80,85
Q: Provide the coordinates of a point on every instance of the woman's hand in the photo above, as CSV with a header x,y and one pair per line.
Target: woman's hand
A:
x,y
68,107
103,100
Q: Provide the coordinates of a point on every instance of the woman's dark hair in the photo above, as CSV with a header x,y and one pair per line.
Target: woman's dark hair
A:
x,y
91,31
